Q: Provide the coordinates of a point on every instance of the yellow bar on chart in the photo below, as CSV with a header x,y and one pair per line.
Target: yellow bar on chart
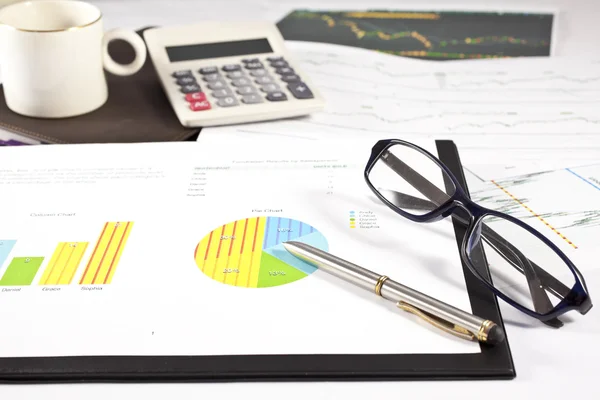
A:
x,y
105,257
64,263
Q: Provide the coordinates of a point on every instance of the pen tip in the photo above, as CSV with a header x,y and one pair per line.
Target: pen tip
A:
x,y
495,335
290,245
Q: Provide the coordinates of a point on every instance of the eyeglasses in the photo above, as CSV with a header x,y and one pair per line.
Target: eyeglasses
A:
x,y
526,269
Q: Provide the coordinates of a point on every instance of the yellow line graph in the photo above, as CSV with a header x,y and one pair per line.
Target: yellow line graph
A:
x,y
525,206
392,15
360,33
64,263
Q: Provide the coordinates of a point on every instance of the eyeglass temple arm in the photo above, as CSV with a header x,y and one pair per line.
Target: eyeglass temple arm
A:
x,y
438,197
502,246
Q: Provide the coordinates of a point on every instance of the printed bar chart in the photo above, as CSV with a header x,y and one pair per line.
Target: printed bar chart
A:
x,y
64,263
104,259
21,271
5,248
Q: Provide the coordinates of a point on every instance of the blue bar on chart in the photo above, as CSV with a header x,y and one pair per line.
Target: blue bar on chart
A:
x,y
5,248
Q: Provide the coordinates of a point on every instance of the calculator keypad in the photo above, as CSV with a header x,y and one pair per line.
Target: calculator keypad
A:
x,y
252,81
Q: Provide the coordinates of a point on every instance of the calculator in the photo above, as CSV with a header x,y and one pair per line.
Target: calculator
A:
x,y
217,73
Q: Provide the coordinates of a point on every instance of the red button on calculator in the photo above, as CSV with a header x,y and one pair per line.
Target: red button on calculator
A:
x,y
193,97
200,105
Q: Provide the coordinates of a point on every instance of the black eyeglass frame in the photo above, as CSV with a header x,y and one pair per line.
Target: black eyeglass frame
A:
x,y
576,299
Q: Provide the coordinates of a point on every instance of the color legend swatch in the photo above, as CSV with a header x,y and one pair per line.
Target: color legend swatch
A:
x,y
249,252
21,271
104,259
64,263
352,219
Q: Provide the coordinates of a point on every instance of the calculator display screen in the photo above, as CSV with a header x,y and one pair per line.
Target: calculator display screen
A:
x,y
221,49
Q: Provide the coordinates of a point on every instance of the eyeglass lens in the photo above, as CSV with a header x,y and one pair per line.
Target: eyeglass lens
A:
x,y
521,265
410,180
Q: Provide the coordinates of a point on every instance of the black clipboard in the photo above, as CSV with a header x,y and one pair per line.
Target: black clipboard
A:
x,y
491,363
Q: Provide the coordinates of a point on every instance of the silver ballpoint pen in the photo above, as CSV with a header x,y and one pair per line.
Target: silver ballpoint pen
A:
x,y
442,315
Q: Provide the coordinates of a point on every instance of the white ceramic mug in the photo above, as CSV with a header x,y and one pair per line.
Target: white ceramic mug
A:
x,y
53,54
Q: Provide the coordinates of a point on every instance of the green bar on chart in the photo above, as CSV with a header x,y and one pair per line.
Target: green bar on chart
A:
x,y
21,271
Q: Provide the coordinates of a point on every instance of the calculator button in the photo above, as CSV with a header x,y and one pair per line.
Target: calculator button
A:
x,y
300,90
200,105
220,93
231,67
270,87
190,88
246,90
276,96
193,97
208,70
217,85
279,64
275,58
290,78
258,72
252,99
250,60
182,73
264,79
228,102
254,65
235,75
284,71
212,77
241,82
186,80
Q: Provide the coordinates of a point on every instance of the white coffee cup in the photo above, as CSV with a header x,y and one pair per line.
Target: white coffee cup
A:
x,y
53,54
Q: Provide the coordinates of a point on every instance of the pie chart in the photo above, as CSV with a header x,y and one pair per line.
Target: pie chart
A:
x,y
249,252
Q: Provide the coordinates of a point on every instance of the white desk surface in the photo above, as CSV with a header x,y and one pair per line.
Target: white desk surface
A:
x,y
550,364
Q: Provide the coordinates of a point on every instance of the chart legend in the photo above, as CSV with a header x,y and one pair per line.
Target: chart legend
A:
x,y
64,263
104,260
249,252
21,271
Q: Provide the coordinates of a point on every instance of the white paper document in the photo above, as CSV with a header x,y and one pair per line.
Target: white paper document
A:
x,y
175,249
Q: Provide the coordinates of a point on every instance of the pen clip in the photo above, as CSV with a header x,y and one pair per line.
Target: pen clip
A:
x,y
437,321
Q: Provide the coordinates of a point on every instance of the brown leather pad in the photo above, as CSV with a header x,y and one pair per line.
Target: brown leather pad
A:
x,y
137,110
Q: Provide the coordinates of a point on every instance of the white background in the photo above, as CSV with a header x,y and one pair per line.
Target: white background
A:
x,y
550,364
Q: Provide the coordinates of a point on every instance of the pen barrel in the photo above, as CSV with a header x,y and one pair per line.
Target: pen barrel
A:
x,y
397,292
348,271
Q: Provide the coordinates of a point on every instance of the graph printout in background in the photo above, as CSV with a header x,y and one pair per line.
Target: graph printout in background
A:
x,y
434,35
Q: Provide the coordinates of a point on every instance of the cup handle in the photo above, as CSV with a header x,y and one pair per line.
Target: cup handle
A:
x,y
138,46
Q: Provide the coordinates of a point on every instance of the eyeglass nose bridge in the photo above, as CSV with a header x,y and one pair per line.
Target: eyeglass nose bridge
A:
x,y
466,217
